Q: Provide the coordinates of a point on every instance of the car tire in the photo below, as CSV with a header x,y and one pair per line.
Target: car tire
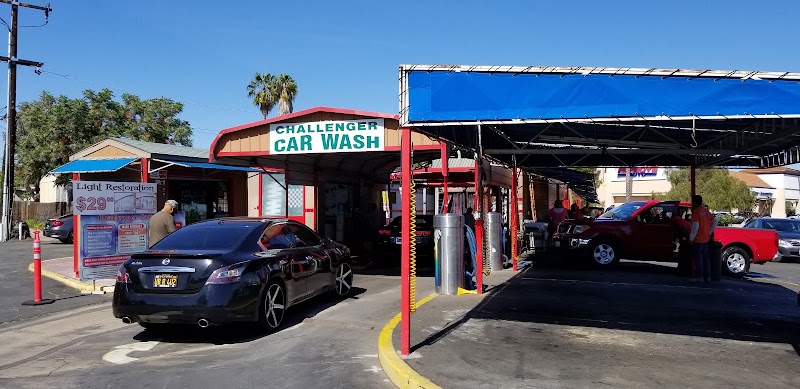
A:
x,y
604,254
343,280
777,259
68,239
736,261
272,309
65,241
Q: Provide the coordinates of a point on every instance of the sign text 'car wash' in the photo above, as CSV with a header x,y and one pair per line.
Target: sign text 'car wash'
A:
x,y
339,136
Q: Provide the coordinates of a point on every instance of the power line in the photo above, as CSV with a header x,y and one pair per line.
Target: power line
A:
x,y
113,87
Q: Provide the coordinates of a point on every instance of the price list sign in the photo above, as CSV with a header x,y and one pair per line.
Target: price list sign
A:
x,y
113,220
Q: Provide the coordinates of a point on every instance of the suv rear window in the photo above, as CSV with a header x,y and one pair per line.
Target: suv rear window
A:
x,y
213,236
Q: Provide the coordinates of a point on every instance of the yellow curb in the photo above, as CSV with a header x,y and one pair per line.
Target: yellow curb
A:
x,y
71,282
402,375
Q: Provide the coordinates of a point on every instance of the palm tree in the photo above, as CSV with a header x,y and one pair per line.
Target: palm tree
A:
x,y
285,90
262,89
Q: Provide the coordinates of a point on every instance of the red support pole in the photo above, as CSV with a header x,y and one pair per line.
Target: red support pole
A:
x,y
145,169
479,227
75,233
405,254
37,272
514,217
445,173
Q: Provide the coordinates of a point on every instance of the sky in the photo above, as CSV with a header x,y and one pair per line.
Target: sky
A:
x,y
346,53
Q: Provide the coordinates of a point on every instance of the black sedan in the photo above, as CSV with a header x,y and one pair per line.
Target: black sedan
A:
x,y
390,240
230,270
59,228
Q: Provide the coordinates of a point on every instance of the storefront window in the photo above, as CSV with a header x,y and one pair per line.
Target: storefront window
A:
x,y
273,196
201,200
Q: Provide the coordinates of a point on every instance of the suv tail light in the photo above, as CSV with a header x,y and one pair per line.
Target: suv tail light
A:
x,y
56,223
423,233
122,275
384,232
227,274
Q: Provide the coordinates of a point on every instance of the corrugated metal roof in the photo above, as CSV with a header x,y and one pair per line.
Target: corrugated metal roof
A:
x,y
93,165
454,163
165,149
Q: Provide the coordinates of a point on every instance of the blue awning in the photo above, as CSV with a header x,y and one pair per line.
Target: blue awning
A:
x,y
202,165
475,96
93,165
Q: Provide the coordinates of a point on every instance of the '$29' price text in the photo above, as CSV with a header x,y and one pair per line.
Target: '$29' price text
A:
x,y
93,203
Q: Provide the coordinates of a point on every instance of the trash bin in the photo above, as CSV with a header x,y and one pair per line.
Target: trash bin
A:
x,y
494,240
448,243
715,255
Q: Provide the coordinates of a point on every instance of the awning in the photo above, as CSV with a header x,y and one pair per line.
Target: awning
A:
x,y
93,165
202,165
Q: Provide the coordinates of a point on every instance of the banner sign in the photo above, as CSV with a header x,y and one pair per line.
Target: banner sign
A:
x,y
110,198
113,220
327,136
642,173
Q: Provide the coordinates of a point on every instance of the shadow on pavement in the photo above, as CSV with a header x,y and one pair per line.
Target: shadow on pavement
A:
x,y
644,297
243,332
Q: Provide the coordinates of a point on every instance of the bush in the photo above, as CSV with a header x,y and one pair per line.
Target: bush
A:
x,y
34,224
726,220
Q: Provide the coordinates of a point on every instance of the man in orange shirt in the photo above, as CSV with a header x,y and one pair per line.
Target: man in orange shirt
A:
x,y
702,229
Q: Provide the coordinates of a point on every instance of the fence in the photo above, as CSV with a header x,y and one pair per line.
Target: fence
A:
x,y
24,210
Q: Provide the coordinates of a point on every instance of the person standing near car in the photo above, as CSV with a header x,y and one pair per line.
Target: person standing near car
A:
x,y
702,230
162,223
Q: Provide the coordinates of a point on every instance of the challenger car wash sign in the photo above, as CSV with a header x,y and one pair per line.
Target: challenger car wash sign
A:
x,y
342,136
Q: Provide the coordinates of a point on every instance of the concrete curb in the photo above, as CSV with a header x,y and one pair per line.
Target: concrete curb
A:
x,y
71,282
402,375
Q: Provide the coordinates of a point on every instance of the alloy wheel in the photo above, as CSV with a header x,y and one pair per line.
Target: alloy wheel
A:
x,y
344,280
736,263
604,254
274,305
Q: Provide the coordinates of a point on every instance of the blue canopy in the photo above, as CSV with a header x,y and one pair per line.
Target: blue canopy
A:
x,y
475,96
592,116
203,165
93,165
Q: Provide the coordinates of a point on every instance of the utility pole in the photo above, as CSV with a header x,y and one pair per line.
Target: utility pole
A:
x,y
11,118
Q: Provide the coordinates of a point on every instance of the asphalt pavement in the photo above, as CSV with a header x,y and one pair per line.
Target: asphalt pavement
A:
x,y
16,282
640,325
326,342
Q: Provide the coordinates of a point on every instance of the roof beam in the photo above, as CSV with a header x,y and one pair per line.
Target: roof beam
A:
x,y
574,151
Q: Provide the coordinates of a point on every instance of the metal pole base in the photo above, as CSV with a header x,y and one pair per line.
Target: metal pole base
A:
x,y
43,302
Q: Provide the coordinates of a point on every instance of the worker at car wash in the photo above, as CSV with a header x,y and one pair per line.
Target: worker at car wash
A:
x,y
162,223
703,225
557,214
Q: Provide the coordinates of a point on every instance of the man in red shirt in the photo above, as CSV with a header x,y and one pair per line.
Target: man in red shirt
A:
x,y
556,215
703,224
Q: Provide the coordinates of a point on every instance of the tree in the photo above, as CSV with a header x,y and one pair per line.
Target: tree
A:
x,y
262,90
285,90
719,189
51,129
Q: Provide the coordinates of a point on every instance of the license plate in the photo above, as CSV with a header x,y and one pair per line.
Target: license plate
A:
x,y
165,281
557,243
398,240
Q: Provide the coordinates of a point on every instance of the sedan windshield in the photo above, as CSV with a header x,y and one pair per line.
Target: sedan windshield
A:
x,y
623,212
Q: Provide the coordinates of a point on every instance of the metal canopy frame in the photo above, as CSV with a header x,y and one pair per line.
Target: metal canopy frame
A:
x,y
763,140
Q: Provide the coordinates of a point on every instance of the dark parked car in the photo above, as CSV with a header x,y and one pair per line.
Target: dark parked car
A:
x,y
389,238
59,228
788,233
230,270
